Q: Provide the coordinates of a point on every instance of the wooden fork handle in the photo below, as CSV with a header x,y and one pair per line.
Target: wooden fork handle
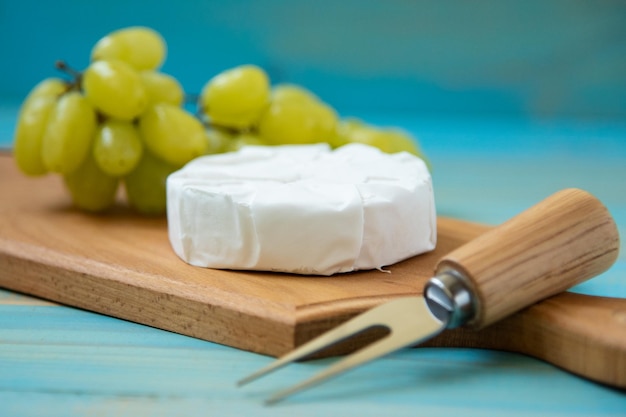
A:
x,y
567,238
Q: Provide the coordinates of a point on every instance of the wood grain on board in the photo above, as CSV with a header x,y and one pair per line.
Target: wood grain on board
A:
x,y
121,264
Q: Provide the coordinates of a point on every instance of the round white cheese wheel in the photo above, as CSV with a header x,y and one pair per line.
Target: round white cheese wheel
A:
x,y
303,209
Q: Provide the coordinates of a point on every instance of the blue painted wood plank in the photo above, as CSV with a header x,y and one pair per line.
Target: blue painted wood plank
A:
x,y
407,383
77,360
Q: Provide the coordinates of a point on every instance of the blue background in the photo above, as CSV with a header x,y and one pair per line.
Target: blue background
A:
x,y
554,58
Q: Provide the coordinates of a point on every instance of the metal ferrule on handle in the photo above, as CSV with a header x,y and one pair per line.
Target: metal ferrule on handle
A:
x,y
450,299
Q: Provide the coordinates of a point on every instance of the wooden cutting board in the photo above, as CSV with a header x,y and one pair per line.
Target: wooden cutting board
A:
x,y
122,265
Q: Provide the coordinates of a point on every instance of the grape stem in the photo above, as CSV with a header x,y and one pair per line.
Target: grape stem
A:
x,y
64,67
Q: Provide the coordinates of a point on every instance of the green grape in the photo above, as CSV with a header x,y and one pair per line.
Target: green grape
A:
x,y
401,141
50,87
218,140
292,93
172,134
117,147
369,135
356,131
162,88
348,128
145,185
140,47
389,140
115,89
224,141
91,188
31,126
242,140
69,133
325,122
236,98
294,122
32,122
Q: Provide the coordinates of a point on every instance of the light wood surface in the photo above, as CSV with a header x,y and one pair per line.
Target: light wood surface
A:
x,y
121,265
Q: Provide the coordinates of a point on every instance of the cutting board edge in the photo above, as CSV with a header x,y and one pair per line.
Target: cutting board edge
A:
x,y
45,277
267,326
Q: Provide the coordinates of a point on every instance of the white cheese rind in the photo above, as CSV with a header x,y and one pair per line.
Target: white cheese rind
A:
x,y
301,209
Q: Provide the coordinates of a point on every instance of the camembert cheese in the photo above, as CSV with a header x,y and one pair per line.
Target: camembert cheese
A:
x,y
302,209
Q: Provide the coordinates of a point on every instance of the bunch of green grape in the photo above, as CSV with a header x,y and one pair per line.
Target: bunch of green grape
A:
x,y
241,107
120,121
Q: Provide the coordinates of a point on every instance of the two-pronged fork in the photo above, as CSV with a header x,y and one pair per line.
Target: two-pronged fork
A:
x,y
565,239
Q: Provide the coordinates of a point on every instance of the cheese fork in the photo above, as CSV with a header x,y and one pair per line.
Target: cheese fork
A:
x,y
564,240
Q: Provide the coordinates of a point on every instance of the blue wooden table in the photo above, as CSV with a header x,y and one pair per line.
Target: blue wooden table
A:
x,y
539,62
60,361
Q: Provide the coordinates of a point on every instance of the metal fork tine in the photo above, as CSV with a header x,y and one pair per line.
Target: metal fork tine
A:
x,y
403,333
351,327
392,315
372,351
